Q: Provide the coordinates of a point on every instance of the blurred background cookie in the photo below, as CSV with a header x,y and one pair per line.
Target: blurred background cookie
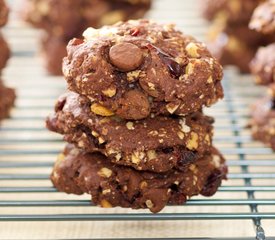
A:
x,y
263,121
7,95
7,98
4,52
229,38
263,19
63,20
4,13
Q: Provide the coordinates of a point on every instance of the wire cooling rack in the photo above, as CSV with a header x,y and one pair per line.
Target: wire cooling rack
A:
x,y
31,208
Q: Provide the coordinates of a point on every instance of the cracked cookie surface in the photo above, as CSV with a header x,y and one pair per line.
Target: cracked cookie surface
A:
x,y
140,67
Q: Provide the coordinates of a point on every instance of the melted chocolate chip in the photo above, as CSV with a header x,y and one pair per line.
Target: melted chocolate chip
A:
x,y
210,120
197,116
76,174
167,150
174,187
273,104
60,105
174,68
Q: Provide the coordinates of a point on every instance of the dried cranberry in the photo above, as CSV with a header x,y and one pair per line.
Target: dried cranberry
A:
x,y
174,68
212,183
178,198
77,41
185,159
134,32
60,105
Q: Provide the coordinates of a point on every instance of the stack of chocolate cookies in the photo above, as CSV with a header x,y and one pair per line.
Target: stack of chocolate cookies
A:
x,y
62,20
263,67
133,117
7,95
229,38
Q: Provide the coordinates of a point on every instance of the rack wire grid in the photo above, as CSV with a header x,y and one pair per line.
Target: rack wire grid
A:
x,y
31,208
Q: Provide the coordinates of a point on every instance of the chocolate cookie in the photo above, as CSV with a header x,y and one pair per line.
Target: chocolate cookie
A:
x,y
4,12
140,67
7,98
235,45
263,121
53,51
263,19
111,185
271,90
155,143
263,65
230,50
232,12
244,35
4,52
78,15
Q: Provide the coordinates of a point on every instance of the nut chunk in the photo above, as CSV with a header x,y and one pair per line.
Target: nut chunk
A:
x,y
136,68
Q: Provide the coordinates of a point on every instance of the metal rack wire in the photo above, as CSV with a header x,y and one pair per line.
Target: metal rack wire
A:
x,y
27,152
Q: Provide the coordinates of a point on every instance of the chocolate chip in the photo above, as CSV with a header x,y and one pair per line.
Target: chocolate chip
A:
x,y
196,116
126,56
167,150
174,187
210,120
